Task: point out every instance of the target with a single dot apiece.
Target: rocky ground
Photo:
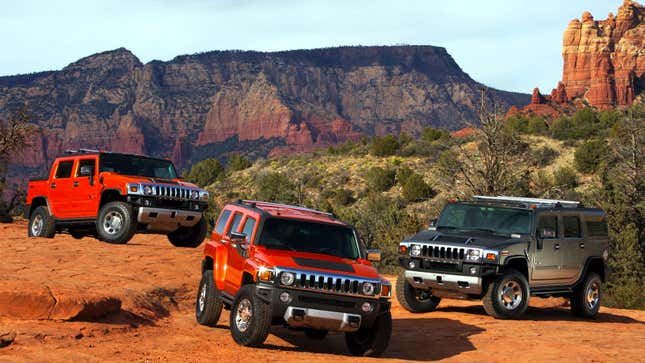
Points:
(54, 295)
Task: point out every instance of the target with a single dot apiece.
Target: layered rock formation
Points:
(209, 104)
(604, 63)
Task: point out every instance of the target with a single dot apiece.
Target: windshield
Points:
(137, 165)
(473, 217)
(301, 236)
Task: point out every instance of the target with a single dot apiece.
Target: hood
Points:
(316, 262)
(470, 239)
(149, 180)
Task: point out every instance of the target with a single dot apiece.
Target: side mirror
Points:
(238, 237)
(88, 171)
(374, 255)
(433, 222)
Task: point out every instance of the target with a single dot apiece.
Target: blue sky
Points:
(511, 45)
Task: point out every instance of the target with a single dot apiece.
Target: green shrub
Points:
(415, 188)
(544, 156)
(430, 134)
(537, 125)
(237, 162)
(205, 172)
(343, 197)
(379, 179)
(275, 187)
(402, 174)
(385, 146)
(517, 123)
(590, 155)
(565, 178)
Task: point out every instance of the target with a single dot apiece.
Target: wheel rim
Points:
(511, 295)
(201, 302)
(113, 222)
(37, 225)
(243, 315)
(593, 295)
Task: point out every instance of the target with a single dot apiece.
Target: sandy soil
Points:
(62, 284)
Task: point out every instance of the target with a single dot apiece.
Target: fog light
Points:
(473, 270)
(285, 297)
(412, 264)
(367, 307)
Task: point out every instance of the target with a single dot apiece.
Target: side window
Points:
(249, 225)
(64, 169)
(571, 226)
(237, 218)
(596, 228)
(548, 227)
(221, 223)
(85, 163)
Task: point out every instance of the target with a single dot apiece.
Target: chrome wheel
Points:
(37, 225)
(511, 295)
(593, 294)
(113, 222)
(243, 315)
(201, 302)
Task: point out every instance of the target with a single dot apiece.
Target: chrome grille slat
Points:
(329, 283)
(170, 192)
(443, 252)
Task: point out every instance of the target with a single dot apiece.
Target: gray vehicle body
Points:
(553, 266)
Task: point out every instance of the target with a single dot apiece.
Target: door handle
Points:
(582, 245)
(75, 183)
(556, 246)
(53, 185)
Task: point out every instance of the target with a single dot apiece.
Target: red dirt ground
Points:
(150, 286)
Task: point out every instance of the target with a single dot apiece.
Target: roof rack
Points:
(257, 203)
(528, 202)
(82, 151)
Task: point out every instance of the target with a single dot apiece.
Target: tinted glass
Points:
(301, 236)
(64, 169)
(571, 226)
(221, 223)
(237, 218)
(550, 224)
(248, 228)
(86, 162)
(473, 217)
(597, 228)
(137, 165)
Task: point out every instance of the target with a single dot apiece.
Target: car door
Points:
(62, 190)
(235, 261)
(572, 246)
(547, 260)
(86, 189)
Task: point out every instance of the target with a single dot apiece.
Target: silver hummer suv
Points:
(503, 250)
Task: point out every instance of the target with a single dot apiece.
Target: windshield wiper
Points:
(487, 230)
(447, 227)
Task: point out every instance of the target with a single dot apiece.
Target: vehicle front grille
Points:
(336, 284)
(169, 192)
(443, 252)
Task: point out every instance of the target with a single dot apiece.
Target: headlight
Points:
(473, 255)
(194, 194)
(287, 278)
(147, 190)
(415, 250)
(204, 195)
(265, 274)
(368, 288)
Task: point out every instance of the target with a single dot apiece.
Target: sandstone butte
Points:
(604, 64)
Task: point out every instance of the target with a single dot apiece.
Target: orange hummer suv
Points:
(113, 196)
(280, 264)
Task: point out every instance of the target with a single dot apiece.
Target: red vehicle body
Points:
(280, 264)
(112, 196)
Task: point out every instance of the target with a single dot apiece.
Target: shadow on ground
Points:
(440, 338)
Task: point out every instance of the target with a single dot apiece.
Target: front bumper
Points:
(318, 310)
(438, 281)
(161, 219)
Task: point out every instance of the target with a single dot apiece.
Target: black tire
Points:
(371, 341)
(316, 334)
(501, 298)
(257, 327)
(115, 223)
(208, 305)
(41, 223)
(586, 297)
(414, 300)
(189, 236)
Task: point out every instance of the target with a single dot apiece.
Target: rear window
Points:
(249, 225)
(571, 226)
(64, 169)
(221, 223)
(237, 218)
(596, 228)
